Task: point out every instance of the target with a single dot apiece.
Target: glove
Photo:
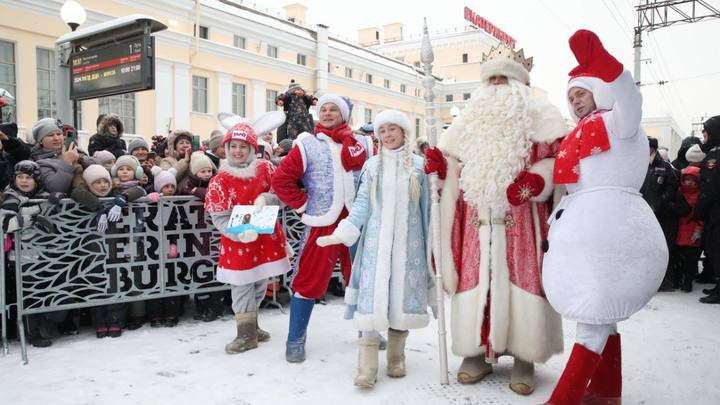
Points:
(115, 213)
(435, 162)
(54, 198)
(593, 59)
(696, 236)
(102, 222)
(44, 224)
(248, 236)
(259, 203)
(153, 197)
(525, 186)
(328, 240)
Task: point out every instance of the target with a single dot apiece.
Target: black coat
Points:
(660, 190)
(114, 145)
(680, 161)
(13, 151)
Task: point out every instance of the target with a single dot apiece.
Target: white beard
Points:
(494, 142)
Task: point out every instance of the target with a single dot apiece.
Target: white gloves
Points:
(102, 223)
(328, 240)
(259, 203)
(248, 236)
(115, 213)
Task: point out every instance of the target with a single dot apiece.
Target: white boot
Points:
(367, 362)
(396, 353)
(522, 378)
(473, 369)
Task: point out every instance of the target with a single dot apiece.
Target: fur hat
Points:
(177, 135)
(338, 101)
(392, 117)
(28, 167)
(694, 154)
(111, 119)
(43, 127)
(216, 140)
(96, 172)
(163, 178)
(103, 157)
(504, 67)
(137, 143)
(199, 161)
(130, 161)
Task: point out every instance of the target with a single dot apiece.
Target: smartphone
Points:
(195, 143)
(261, 151)
(70, 138)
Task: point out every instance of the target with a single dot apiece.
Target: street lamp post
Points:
(74, 15)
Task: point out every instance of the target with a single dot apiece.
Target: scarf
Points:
(352, 153)
(589, 137)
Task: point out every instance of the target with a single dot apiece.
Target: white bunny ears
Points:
(265, 123)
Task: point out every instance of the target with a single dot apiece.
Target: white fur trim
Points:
(338, 101)
(240, 172)
(463, 323)
(544, 168)
(604, 99)
(263, 271)
(366, 322)
(548, 122)
(534, 329)
(694, 154)
(347, 232)
(499, 287)
(351, 296)
(505, 67)
(393, 117)
(298, 144)
(448, 201)
(302, 208)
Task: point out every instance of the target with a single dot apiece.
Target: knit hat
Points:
(338, 101)
(392, 117)
(96, 172)
(199, 161)
(242, 132)
(294, 86)
(163, 178)
(137, 143)
(695, 154)
(43, 127)
(28, 167)
(103, 157)
(286, 144)
(653, 143)
(216, 140)
(130, 161)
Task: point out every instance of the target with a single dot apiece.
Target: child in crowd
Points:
(246, 259)
(391, 285)
(201, 171)
(146, 182)
(105, 159)
(164, 311)
(688, 243)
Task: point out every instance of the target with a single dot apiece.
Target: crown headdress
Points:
(503, 51)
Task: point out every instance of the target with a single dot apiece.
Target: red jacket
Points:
(686, 225)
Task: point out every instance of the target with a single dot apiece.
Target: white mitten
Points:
(259, 203)
(248, 236)
(328, 240)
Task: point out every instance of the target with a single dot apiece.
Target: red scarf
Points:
(352, 153)
(589, 137)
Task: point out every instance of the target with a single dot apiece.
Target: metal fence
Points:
(76, 266)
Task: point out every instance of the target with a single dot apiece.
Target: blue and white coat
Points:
(391, 285)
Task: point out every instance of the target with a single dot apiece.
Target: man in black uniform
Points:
(660, 191)
(708, 204)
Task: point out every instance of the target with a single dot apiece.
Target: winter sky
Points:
(685, 55)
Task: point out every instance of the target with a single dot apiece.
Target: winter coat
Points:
(55, 173)
(707, 209)
(298, 119)
(687, 225)
(660, 190)
(390, 284)
(182, 167)
(13, 151)
(108, 142)
(681, 161)
(131, 191)
(17, 212)
(193, 182)
(215, 159)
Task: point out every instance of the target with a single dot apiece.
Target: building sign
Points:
(489, 27)
(117, 68)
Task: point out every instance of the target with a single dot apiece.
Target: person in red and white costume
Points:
(328, 164)
(495, 202)
(606, 252)
(246, 259)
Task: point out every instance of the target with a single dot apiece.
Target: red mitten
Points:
(593, 59)
(435, 162)
(525, 186)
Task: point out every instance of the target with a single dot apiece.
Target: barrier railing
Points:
(76, 266)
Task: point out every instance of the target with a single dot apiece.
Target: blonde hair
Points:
(414, 183)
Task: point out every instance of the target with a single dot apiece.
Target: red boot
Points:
(606, 384)
(574, 379)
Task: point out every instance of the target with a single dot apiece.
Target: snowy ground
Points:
(671, 353)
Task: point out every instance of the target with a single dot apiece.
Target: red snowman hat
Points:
(242, 132)
(596, 69)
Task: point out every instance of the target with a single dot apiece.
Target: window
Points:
(7, 80)
(204, 32)
(271, 99)
(301, 59)
(239, 42)
(238, 99)
(403, 88)
(417, 127)
(348, 72)
(368, 115)
(124, 106)
(200, 94)
(272, 51)
(466, 96)
(45, 83)
(465, 58)
(449, 97)
(386, 83)
(368, 78)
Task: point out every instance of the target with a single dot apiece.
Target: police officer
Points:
(708, 204)
(660, 190)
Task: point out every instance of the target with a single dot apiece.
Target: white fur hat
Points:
(199, 161)
(505, 67)
(392, 117)
(338, 101)
(599, 89)
(695, 154)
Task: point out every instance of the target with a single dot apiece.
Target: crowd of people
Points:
(515, 186)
